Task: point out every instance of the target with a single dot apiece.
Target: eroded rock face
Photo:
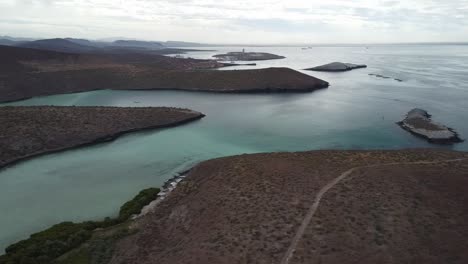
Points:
(337, 67)
(418, 122)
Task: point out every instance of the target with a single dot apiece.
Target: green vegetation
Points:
(46, 246)
(98, 249)
(136, 204)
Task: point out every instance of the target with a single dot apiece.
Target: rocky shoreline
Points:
(27, 132)
(168, 186)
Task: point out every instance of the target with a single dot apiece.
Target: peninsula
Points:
(30, 131)
(26, 73)
(311, 207)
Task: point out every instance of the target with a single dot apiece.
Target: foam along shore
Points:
(165, 190)
(337, 67)
(247, 56)
(419, 123)
(31, 131)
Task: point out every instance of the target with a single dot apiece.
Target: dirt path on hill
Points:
(300, 232)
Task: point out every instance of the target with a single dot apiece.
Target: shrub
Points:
(45, 246)
(135, 205)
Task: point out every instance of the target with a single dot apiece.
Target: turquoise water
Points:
(356, 112)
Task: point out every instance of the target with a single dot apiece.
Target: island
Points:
(337, 67)
(326, 206)
(26, 73)
(419, 123)
(30, 131)
(247, 56)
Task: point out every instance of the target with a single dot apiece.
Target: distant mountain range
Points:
(75, 45)
(62, 45)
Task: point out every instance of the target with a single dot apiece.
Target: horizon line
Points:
(108, 39)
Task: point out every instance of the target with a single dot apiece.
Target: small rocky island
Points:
(337, 67)
(30, 131)
(418, 122)
(247, 56)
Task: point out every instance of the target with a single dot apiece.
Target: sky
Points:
(240, 21)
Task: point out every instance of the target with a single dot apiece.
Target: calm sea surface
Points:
(357, 111)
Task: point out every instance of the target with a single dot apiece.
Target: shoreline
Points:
(165, 190)
(201, 90)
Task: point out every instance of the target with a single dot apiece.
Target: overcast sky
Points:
(240, 21)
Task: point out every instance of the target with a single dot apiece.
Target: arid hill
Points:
(31, 131)
(408, 206)
(27, 73)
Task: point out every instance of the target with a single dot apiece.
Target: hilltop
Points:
(407, 206)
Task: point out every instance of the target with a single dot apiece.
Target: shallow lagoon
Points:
(356, 112)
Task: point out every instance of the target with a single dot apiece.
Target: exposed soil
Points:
(26, 73)
(31, 131)
(249, 208)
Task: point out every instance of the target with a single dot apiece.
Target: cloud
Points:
(252, 21)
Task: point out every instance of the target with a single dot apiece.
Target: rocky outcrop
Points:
(247, 56)
(419, 123)
(337, 67)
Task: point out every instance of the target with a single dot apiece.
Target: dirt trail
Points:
(300, 232)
